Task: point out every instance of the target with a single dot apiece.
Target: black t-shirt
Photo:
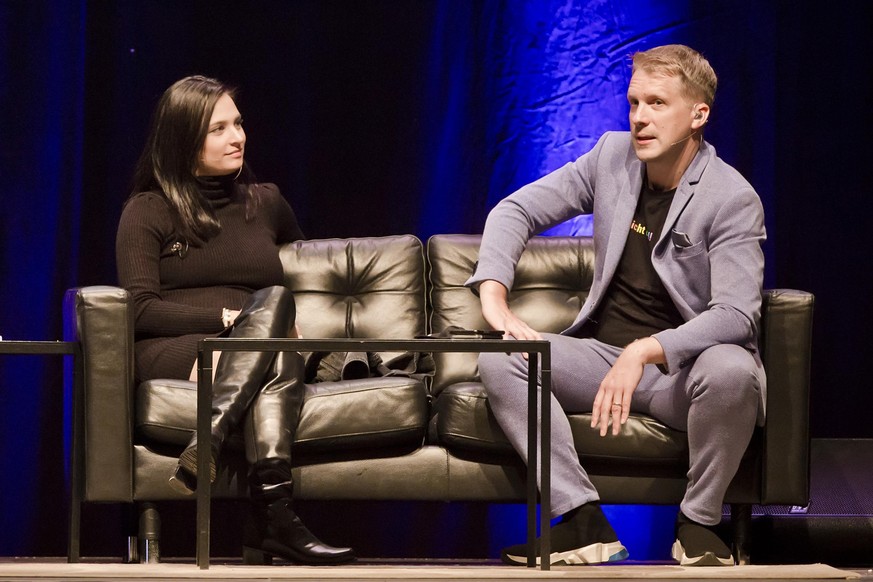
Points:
(636, 304)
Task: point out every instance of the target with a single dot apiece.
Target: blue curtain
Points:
(518, 89)
(41, 91)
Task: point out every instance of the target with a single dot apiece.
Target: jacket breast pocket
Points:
(689, 269)
(683, 246)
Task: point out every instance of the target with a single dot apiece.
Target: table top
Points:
(37, 347)
(373, 344)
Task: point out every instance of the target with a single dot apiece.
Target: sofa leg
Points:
(741, 521)
(149, 534)
(131, 552)
(129, 525)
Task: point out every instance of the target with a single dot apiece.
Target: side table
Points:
(62, 348)
(541, 348)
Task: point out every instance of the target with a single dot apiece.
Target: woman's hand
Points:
(228, 316)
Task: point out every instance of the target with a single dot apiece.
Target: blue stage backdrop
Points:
(41, 95)
(374, 117)
(518, 89)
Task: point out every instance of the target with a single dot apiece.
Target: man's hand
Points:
(616, 391)
(495, 310)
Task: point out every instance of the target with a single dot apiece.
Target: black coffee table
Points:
(542, 348)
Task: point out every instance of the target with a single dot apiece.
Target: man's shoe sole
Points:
(707, 559)
(594, 554)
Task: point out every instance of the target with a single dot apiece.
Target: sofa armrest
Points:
(786, 339)
(101, 319)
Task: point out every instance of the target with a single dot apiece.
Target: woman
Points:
(197, 248)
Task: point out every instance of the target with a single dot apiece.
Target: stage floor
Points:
(42, 569)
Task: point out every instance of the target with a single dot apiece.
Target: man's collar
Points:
(694, 172)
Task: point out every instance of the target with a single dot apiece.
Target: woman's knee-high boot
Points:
(273, 528)
(240, 375)
(273, 416)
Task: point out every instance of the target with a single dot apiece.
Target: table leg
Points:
(76, 461)
(546, 462)
(532, 452)
(204, 486)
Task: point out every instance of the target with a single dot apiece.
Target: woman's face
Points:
(225, 142)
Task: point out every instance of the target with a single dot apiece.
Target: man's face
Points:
(661, 118)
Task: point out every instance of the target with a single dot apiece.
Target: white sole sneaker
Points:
(594, 554)
(707, 559)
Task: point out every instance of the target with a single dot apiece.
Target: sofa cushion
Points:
(375, 412)
(552, 280)
(357, 287)
(465, 425)
(464, 422)
(336, 416)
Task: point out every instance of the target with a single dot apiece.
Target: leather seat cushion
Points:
(336, 416)
(465, 424)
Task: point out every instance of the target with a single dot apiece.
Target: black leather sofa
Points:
(385, 438)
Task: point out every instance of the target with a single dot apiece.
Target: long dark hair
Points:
(168, 163)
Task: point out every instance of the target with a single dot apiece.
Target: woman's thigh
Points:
(170, 357)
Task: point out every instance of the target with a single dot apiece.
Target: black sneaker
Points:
(698, 545)
(583, 536)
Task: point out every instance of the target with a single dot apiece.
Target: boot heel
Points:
(188, 461)
(183, 482)
(255, 557)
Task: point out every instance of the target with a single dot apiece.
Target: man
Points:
(670, 326)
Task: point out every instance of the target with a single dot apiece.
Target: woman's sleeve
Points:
(287, 227)
(143, 231)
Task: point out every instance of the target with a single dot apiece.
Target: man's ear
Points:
(700, 115)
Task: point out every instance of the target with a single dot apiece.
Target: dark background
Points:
(380, 117)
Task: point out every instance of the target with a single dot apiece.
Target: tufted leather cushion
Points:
(361, 287)
(551, 283)
(466, 426)
(336, 416)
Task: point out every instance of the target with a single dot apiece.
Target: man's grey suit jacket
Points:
(708, 256)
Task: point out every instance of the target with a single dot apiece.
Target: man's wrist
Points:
(646, 350)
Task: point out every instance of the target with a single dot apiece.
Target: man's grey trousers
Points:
(715, 399)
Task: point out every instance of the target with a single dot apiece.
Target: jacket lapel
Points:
(625, 205)
(685, 191)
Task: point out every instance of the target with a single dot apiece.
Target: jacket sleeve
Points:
(554, 198)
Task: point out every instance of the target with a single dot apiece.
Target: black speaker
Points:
(836, 528)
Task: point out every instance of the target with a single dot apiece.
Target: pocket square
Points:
(680, 239)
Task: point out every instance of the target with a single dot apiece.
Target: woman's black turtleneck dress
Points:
(179, 289)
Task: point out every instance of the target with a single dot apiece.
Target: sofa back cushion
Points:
(357, 287)
(552, 280)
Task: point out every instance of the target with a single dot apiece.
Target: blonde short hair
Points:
(689, 66)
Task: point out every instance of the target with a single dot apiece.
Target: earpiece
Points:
(698, 115)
